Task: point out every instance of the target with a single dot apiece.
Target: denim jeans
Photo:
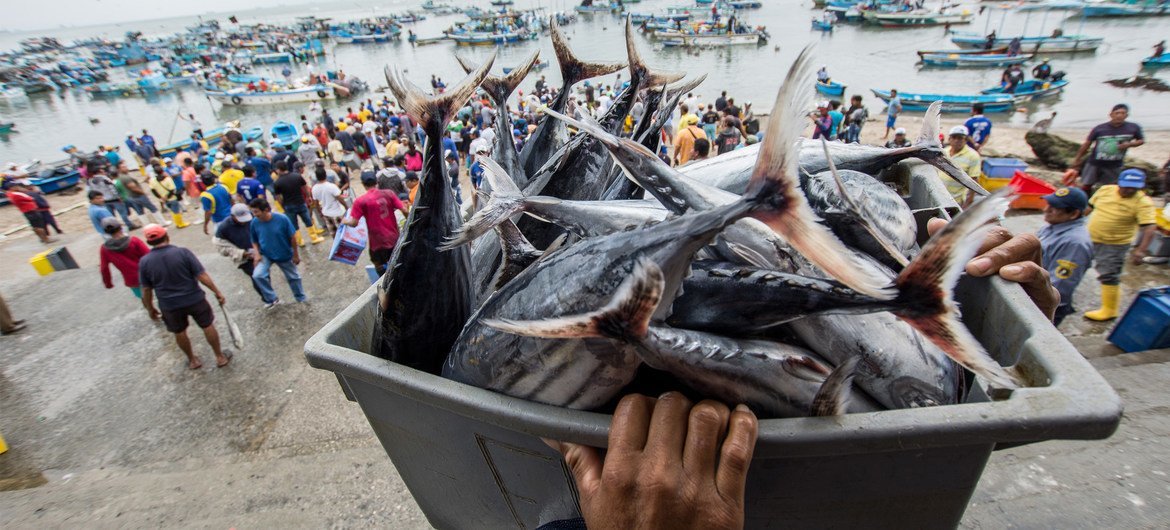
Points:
(141, 204)
(264, 279)
(119, 207)
(297, 212)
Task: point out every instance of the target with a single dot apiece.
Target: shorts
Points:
(36, 219)
(1109, 260)
(380, 258)
(1097, 176)
(890, 121)
(176, 319)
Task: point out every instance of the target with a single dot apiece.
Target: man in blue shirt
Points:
(978, 126)
(249, 188)
(273, 243)
(98, 211)
(1068, 249)
(261, 165)
(216, 201)
(893, 109)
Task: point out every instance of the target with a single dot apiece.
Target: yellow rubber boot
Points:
(178, 219)
(1110, 298)
(300, 240)
(315, 236)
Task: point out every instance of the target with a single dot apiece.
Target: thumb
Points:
(584, 462)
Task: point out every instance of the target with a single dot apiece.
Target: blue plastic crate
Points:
(1003, 168)
(1146, 324)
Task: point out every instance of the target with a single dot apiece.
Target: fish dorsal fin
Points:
(931, 125)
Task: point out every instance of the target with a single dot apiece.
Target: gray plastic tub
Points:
(472, 458)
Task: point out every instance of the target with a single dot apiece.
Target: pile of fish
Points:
(784, 275)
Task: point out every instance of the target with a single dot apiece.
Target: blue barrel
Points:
(1146, 324)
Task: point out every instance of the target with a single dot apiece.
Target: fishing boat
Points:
(822, 25)
(1154, 62)
(830, 89)
(478, 38)
(242, 97)
(502, 3)
(106, 90)
(1031, 89)
(1114, 9)
(594, 9)
(915, 18)
(10, 92)
(1049, 44)
(212, 137)
(57, 177)
(745, 4)
(950, 102)
(538, 65)
(154, 83)
(6, 128)
(992, 51)
(284, 133)
(977, 60)
(345, 37)
(272, 58)
(672, 38)
(429, 40)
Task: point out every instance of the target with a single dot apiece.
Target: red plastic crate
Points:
(1030, 192)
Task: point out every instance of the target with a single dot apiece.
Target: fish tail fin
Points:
(832, 398)
(626, 317)
(779, 203)
(925, 285)
(638, 68)
(574, 70)
(518, 253)
(928, 148)
(420, 106)
(499, 88)
(505, 201)
(931, 125)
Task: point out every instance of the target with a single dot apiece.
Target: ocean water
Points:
(862, 57)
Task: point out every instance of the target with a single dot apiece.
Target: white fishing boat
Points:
(915, 18)
(1049, 44)
(673, 38)
(10, 92)
(243, 97)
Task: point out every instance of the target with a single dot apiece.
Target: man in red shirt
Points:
(377, 207)
(19, 195)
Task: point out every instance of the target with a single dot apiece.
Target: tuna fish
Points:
(498, 90)
(425, 296)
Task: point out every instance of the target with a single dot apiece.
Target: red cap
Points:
(154, 232)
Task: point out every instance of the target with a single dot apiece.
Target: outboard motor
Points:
(1057, 76)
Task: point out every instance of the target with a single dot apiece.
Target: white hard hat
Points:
(960, 129)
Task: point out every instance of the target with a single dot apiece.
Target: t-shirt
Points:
(378, 207)
(274, 237)
(1115, 219)
(218, 201)
(96, 214)
(1068, 252)
(239, 234)
(835, 119)
(726, 141)
(249, 189)
(979, 128)
(969, 162)
(171, 272)
(229, 178)
(894, 106)
(1105, 151)
(413, 161)
(263, 169)
(684, 143)
(327, 193)
(23, 201)
(288, 188)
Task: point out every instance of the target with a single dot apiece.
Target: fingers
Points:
(934, 225)
(736, 455)
(668, 427)
(585, 463)
(631, 423)
(707, 426)
(1035, 281)
(1000, 249)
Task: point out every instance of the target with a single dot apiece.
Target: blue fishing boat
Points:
(1154, 62)
(1031, 89)
(6, 128)
(831, 88)
(271, 58)
(1128, 9)
(950, 102)
(745, 4)
(57, 178)
(212, 137)
(822, 25)
(285, 134)
(1043, 44)
(479, 38)
(975, 60)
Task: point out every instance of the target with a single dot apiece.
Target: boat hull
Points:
(950, 103)
(957, 60)
(830, 89)
(1067, 44)
(899, 20)
(317, 93)
(1031, 89)
(728, 39)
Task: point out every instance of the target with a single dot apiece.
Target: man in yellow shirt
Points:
(684, 141)
(966, 159)
(1118, 211)
(231, 175)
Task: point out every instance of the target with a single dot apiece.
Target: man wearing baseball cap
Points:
(1068, 250)
(1118, 212)
(964, 158)
(174, 273)
(233, 239)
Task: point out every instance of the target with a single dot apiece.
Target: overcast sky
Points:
(48, 14)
